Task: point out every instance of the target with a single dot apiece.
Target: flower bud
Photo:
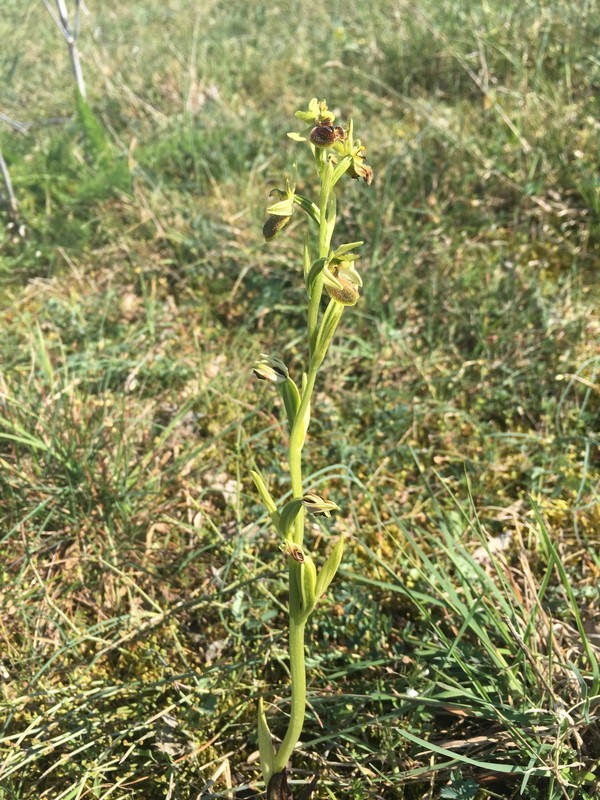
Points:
(273, 226)
(318, 505)
(268, 368)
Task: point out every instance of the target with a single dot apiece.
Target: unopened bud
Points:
(268, 368)
(318, 505)
(273, 226)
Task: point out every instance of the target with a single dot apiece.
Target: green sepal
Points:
(297, 137)
(343, 249)
(310, 115)
(265, 744)
(329, 568)
(283, 208)
(288, 515)
(265, 496)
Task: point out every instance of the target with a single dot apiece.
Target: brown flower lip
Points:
(273, 226)
(326, 135)
(347, 294)
(322, 135)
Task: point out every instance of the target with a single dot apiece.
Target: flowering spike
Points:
(327, 269)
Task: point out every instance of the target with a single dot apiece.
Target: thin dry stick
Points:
(70, 36)
(13, 123)
(12, 200)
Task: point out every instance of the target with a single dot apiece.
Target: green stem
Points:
(297, 438)
(298, 673)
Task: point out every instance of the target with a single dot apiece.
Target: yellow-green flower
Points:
(317, 114)
(342, 282)
(340, 278)
(318, 505)
(353, 148)
(281, 212)
(269, 368)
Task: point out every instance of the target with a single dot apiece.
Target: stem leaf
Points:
(306, 259)
(287, 518)
(265, 496)
(331, 317)
(340, 169)
(308, 584)
(315, 270)
(291, 399)
(307, 205)
(265, 744)
(329, 568)
(331, 216)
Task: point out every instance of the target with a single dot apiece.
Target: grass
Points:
(141, 589)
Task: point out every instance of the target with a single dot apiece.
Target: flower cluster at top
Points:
(333, 147)
(328, 141)
(321, 132)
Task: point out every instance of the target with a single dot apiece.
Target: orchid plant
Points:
(330, 273)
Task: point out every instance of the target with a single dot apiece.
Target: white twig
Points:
(13, 123)
(70, 35)
(12, 200)
(76, 23)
